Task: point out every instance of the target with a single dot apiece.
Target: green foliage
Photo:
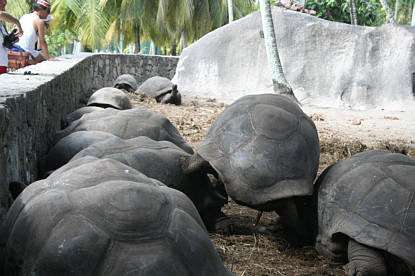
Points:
(57, 40)
(98, 22)
(16, 8)
(369, 12)
(272, 2)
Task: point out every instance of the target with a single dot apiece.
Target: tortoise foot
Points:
(224, 225)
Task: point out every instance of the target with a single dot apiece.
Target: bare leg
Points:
(364, 261)
(38, 59)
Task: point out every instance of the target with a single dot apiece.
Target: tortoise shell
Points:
(155, 87)
(75, 115)
(126, 82)
(161, 160)
(109, 97)
(128, 124)
(68, 146)
(370, 198)
(264, 148)
(101, 217)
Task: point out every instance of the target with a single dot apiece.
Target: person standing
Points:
(34, 31)
(4, 16)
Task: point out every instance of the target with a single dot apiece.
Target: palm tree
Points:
(281, 86)
(388, 11)
(230, 10)
(353, 12)
(17, 8)
(85, 17)
(413, 17)
(397, 4)
(130, 21)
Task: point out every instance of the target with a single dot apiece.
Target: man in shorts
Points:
(34, 31)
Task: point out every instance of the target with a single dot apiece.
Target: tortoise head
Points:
(207, 193)
(174, 90)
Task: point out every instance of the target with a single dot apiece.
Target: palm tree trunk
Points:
(353, 12)
(137, 40)
(183, 42)
(173, 47)
(281, 86)
(413, 16)
(407, 9)
(121, 46)
(77, 46)
(153, 49)
(230, 10)
(396, 10)
(388, 11)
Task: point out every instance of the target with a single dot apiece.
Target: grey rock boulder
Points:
(327, 63)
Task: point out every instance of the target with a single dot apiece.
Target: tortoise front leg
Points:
(293, 225)
(364, 261)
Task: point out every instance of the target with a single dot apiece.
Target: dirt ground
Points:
(341, 134)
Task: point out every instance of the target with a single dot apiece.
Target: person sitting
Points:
(34, 31)
(4, 16)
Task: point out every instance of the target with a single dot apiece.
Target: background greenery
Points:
(131, 25)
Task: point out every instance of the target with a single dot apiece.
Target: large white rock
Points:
(327, 63)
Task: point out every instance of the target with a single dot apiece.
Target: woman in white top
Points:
(34, 30)
(4, 16)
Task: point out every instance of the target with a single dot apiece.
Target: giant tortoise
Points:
(67, 147)
(109, 97)
(366, 213)
(75, 115)
(126, 82)
(128, 124)
(161, 160)
(101, 217)
(265, 151)
(161, 89)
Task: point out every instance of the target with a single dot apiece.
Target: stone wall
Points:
(32, 106)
